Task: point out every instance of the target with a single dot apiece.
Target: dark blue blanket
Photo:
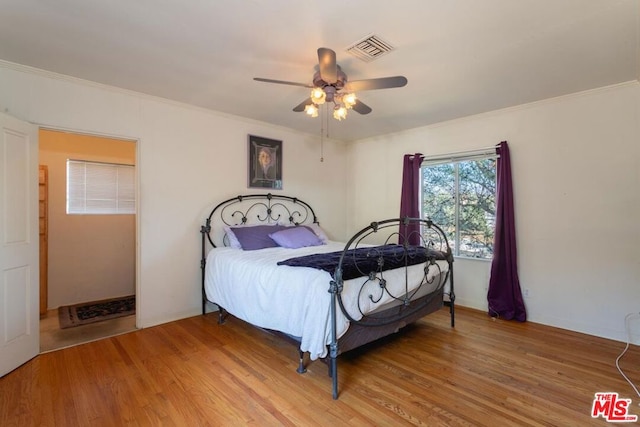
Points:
(362, 261)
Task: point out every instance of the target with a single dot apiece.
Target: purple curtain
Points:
(410, 197)
(504, 295)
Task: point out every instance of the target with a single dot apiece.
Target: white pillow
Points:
(233, 240)
(315, 227)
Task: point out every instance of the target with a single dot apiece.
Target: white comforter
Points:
(294, 300)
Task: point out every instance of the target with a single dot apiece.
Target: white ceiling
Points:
(461, 57)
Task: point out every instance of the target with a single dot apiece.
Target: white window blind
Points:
(100, 188)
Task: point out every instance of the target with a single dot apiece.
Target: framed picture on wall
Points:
(265, 163)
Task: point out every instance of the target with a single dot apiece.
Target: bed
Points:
(266, 260)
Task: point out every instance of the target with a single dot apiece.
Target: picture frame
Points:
(264, 162)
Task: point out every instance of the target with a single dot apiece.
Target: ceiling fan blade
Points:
(282, 82)
(300, 107)
(328, 66)
(380, 83)
(361, 107)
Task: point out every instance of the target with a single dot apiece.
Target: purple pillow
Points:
(256, 237)
(295, 237)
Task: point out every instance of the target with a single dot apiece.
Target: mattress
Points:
(296, 300)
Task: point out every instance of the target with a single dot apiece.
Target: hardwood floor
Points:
(52, 337)
(195, 372)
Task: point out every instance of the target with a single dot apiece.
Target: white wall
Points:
(188, 159)
(576, 177)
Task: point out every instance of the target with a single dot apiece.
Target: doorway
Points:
(86, 257)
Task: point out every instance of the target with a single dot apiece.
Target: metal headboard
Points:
(256, 209)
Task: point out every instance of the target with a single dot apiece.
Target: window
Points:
(459, 195)
(100, 188)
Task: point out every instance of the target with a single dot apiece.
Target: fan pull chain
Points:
(326, 117)
(322, 119)
(321, 139)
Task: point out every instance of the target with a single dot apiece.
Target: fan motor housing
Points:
(338, 84)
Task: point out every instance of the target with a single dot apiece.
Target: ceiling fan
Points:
(330, 84)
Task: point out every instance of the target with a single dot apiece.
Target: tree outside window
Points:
(460, 197)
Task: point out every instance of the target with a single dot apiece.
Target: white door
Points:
(19, 313)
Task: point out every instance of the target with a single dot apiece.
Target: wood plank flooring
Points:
(52, 337)
(194, 372)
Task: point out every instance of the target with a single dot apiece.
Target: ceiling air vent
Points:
(370, 48)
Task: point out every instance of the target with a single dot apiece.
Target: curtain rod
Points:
(455, 154)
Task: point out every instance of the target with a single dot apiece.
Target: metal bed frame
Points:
(408, 306)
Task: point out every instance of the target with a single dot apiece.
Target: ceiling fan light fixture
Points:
(349, 100)
(311, 110)
(339, 112)
(318, 96)
(329, 80)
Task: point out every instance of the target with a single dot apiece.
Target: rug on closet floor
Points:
(96, 311)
